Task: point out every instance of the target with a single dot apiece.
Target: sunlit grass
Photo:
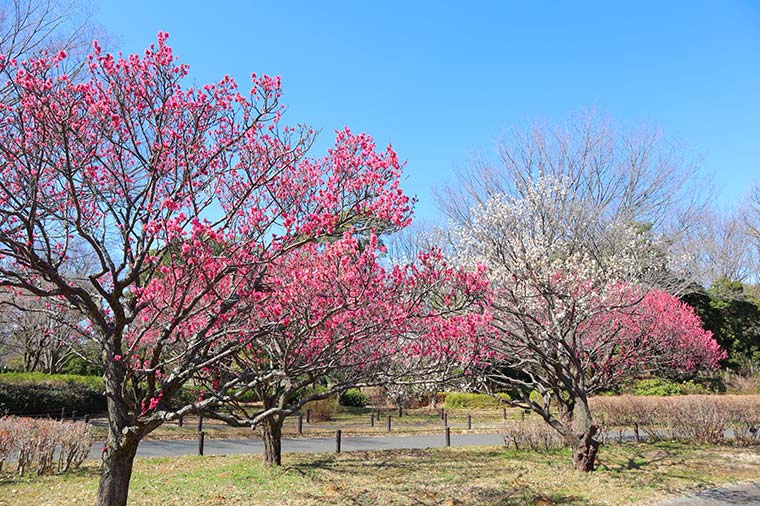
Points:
(628, 474)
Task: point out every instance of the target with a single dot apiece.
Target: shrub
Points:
(532, 434)
(741, 384)
(656, 386)
(185, 395)
(663, 387)
(323, 409)
(375, 396)
(354, 398)
(38, 393)
(461, 400)
(695, 418)
(535, 396)
(82, 367)
(34, 444)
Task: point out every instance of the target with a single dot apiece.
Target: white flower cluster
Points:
(549, 230)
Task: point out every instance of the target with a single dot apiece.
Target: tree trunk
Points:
(116, 471)
(586, 447)
(271, 435)
(584, 453)
(121, 447)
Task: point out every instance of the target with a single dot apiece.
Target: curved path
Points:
(175, 448)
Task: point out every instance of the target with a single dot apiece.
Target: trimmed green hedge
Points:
(39, 393)
(461, 400)
(36, 393)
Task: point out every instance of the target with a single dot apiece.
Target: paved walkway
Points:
(176, 448)
(732, 495)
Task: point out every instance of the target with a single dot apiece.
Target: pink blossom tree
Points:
(345, 321)
(193, 202)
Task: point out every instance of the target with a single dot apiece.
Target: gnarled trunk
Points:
(577, 428)
(585, 450)
(585, 447)
(271, 435)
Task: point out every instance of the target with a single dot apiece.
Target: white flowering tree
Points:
(571, 311)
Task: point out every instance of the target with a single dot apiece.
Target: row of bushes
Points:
(42, 445)
(696, 418)
(699, 419)
(462, 400)
(75, 365)
(38, 393)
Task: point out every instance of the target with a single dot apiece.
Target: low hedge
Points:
(39, 394)
(36, 393)
(462, 400)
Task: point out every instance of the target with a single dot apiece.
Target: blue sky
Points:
(442, 81)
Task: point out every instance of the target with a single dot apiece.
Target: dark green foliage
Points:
(185, 395)
(354, 398)
(82, 367)
(38, 393)
(733, 316)
(249, 396)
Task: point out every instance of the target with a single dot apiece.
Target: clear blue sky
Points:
(441, 82)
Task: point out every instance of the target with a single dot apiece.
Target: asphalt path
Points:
(176, 448)
(732, 495)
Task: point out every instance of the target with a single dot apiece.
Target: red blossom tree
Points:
(344, 321)
(199, 207)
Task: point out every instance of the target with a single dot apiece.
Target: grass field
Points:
(628, 474)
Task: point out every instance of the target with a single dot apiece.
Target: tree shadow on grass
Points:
(639, 461)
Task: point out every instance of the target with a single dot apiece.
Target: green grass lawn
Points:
(628, 474)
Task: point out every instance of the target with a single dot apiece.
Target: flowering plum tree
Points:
(194, 203)
(571, 309)
(344, 321)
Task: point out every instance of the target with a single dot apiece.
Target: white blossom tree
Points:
(571, 309)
